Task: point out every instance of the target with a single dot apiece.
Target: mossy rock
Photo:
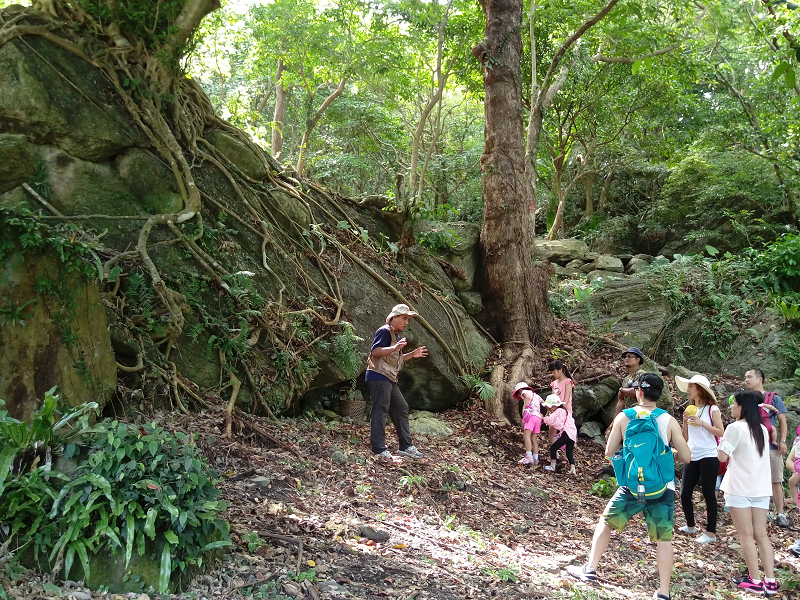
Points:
(239, 153)
(290, 213)
(16, 162)
(55, 97)
(150, 181)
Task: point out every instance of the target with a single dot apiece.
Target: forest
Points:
(207, 208)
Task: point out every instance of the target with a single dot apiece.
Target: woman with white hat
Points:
(702, 425)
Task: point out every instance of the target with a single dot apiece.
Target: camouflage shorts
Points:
(659, 514)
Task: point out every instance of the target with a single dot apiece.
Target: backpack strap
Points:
(657, 413)
(630, 413)
(768, 396)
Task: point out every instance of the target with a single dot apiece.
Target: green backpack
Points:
(644, 458)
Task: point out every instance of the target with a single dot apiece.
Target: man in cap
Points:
(659, 512)
(383, 366)
(632, 359)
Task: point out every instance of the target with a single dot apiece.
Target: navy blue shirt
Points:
(382, 339)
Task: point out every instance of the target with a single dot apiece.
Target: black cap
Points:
(649, 381)
(635, 351)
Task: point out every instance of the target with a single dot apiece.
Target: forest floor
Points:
(466, 522)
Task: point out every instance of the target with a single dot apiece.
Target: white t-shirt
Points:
(748, 473)
(702, 442)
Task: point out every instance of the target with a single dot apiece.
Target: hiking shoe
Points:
(384, 456)
(528, 460)
(782, 521)
(687, 529)
(706, 539)
(549, 468)
(411, 452)
(771, 587)
(769, 517)
(795, 548)
(572, 470)
(746, 583)
(659, 596)
(582, 572)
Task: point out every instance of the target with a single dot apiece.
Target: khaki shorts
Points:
(776, 465)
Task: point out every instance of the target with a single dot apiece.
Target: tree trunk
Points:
(588, 188)
(280, 112)
(601, 203)
(517, 298)
(301, 160)
(557, 228)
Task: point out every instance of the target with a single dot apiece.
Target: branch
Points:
(187, 22)
(628, 60)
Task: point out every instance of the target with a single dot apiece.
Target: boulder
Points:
(636, 265)
(576, 264)
(149, 180)
(587, 267)
(240, 154)
(645, 257)
(465, 254)
(591, 429)
(624, 308)
(471, 301)
(588, 400)
(606, 262)
(62, 100)
(625, 258)
(560, 251)
(604, 275)
(58, 337)
(16, 162)
(429, 426)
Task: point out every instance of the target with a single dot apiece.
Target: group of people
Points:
(744, 460)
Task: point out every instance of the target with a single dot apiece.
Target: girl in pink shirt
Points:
(562, 387)
(531, 422)
(560, 421)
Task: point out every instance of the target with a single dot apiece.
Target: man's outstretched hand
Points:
(420, 352)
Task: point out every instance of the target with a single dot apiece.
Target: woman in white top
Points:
(701, 431)
(748, 488)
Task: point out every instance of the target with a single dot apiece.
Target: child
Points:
(773, 432)
(793, 464)
(562, 387)
(531, 422)
(560, 421)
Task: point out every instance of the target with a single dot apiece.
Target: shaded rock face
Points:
(561, 251)
(64, 341)
(88, 158)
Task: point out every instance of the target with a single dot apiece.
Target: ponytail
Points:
(556, 365)
(748, 402)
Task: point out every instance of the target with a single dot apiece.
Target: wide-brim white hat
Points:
(401, 309)
(552, 400)
(701, 380)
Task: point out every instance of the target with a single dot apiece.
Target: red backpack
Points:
(765, 413)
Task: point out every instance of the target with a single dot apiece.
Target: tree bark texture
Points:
(517, 290)
(312, 123)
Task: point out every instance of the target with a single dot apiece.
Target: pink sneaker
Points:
(528, 460)
(746, 583)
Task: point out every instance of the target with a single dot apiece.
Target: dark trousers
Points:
(704, 470)
(561, 441)
(386, 399)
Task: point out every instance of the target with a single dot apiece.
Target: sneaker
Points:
(687, 529)
(582, 572)
(782, 521)
(795, 548)
(411, 452)
(572, 470)
(746, 583)
(549, 468)
(771, 587)
(385, 456)
(769, 517)
(527, 460)
(706, 539)
(659, 596)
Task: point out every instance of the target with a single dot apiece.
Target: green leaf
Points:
(779, 70)
(344, 225)
(171, 537)
(52, 589)
(129, 539)
(215, 545)
(150, 523)
(166, 569)
(711, 250)
(636, 66)
(790, 78)
(80, 548)
(6, 460)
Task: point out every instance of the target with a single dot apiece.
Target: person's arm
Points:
(728, 443)
(790, 460)
(769, 407)
(614, 442)
(675, 435)
(782, 437)
(380, 352)
(568, 393)
(685, 428)
(420, 352)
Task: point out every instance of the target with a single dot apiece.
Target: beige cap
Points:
(401, 309)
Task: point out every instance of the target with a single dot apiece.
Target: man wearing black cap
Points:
(633, 359)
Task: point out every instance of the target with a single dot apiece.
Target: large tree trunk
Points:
(516, 297)
(280, 112)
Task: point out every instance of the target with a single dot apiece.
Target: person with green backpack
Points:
(641, 445)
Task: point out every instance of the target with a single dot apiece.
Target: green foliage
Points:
(269, 591)
(604, 488)
(132, 483)
(483, 388)
(413, 481)
(778, 265)
(253, 541)
(344, 351)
